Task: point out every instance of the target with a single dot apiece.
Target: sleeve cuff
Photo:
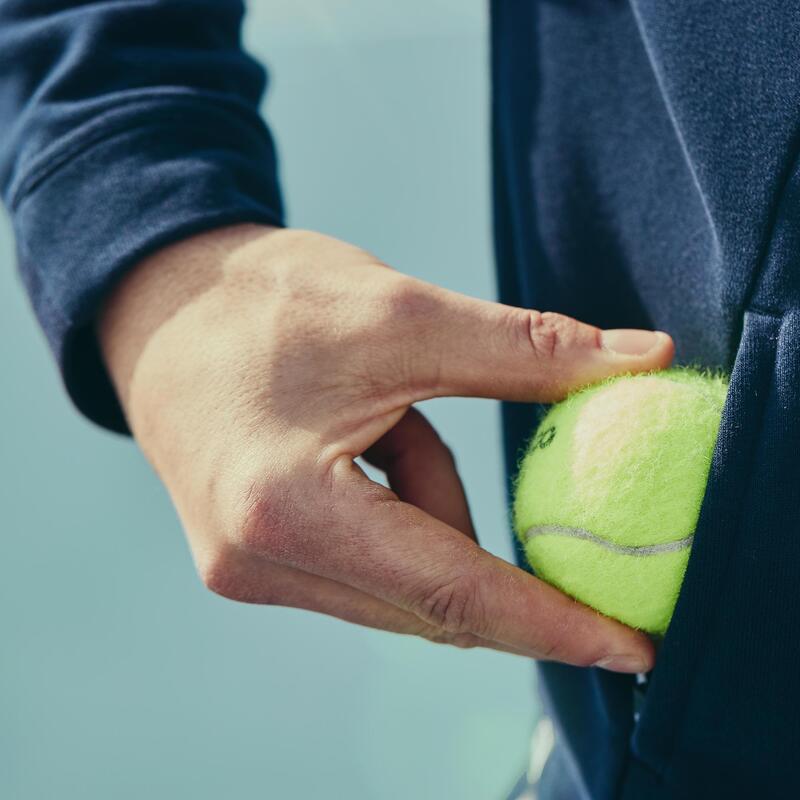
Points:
(158, 175)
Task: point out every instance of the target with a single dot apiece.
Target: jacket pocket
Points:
(705, 701)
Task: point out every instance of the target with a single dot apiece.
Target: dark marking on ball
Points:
(544, 438)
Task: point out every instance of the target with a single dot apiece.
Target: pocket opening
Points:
(717, 537)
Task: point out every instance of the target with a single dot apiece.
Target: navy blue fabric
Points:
(124, 125)
(645, 167)
(645, 175)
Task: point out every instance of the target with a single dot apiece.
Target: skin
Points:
(254, 364)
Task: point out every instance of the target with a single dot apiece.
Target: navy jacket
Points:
(645, 175)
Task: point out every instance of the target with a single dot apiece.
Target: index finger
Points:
(393, 550)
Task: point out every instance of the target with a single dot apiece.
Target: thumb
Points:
(476, 348)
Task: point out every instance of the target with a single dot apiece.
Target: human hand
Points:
(255, 364)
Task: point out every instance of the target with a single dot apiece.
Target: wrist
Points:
(156, 290)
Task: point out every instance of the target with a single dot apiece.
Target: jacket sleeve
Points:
(124, 125)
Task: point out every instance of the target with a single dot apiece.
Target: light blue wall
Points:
(120, 676)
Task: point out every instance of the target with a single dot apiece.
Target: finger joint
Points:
(455, 607)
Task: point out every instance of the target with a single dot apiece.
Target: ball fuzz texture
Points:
(608, 494)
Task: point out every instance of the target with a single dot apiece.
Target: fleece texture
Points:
(610, 489)
(645, 174)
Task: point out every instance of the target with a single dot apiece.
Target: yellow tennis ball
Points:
(608, 494)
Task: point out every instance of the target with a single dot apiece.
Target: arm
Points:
(253, 364)
(123, 126)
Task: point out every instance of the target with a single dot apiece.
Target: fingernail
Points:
(630, 341)
(622, 663)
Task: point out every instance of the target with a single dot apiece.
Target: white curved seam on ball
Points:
(630, 550)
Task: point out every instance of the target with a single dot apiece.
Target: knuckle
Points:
(408, 300)
(548, 333)
(219, 574)
(223, 574)
(263, 521)
(406, 310)
(455, 607)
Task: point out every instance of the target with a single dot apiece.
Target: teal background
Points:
(120, 675)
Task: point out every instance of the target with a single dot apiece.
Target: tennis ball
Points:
(609, 491)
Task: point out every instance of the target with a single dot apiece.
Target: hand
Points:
(254, 364)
